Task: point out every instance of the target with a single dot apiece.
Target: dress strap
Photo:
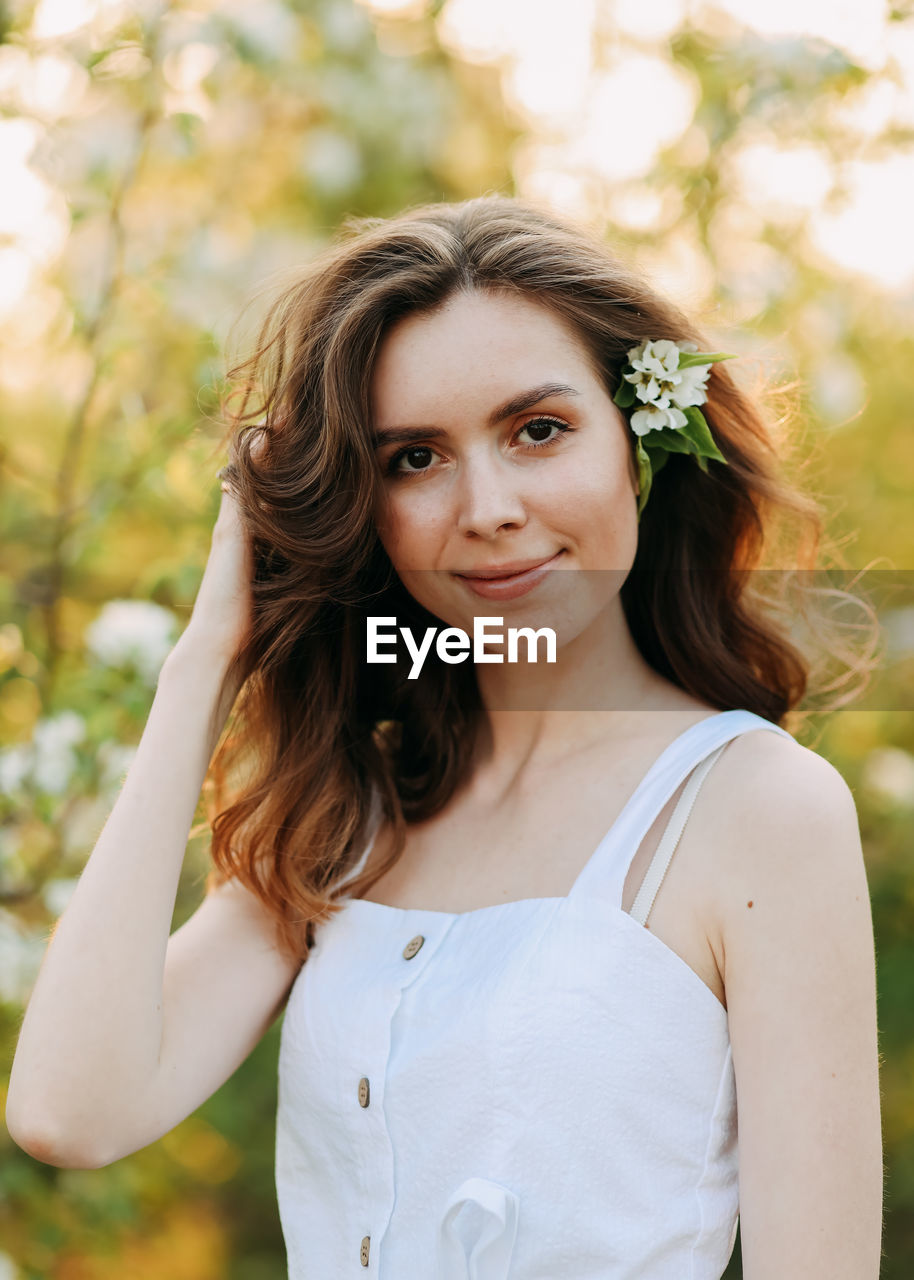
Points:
(606, 870)
(663, 854)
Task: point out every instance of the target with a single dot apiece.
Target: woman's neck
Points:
(599, 688)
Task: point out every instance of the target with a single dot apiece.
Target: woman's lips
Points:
(509, 586)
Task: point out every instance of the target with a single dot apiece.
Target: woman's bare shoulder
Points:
(782, 824)
(775, 780)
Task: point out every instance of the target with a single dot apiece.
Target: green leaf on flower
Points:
(655, 446)
(689, 358)
(658, 458)
(625, 396)
(644, 477)
(700, 433)
(673, 439)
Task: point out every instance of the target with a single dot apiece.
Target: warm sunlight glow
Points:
(32, 213)
(60, 17)
(655, 21)
(54, 18)
(15, 275)
(871, 233)
(485, 32)
(396, 8)
(184, 70)
(640, 105)
(597, 95)
(782, 180)
(600, 96)
(857, 26)
(47, 85)
(532, 84)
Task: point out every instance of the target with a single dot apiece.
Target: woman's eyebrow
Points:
(517, 404)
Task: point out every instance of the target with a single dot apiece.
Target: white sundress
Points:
(533, 1090)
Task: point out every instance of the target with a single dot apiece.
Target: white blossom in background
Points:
(8, 1268)
(54, 742)
(55, 894)
(869, 231)
(47, 85)
(331, 162)
(115, 759)
(184, 70)
(33, 214)
(889, 771)
(15, 768)
(783, 179)
(132, 631)
(656, 21)
(857, 26)
(268, 26)
(345, 27)
(54, 18)
(664, 111)
(21, 953)
(48, 761)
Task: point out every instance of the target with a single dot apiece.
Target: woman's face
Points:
(500, 448)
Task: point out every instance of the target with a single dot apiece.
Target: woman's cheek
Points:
(410, 531)
(597, 508)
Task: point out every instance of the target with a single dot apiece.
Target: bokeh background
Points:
(162, 164)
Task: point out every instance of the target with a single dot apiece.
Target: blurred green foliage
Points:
(191, 154)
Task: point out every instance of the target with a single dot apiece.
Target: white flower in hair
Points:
(691, 386)
(660, 357)
(654, 416)
(662, 386)
(659, 381)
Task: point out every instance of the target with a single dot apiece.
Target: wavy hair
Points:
(313, 744)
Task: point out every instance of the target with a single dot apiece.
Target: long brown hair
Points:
(313, 743)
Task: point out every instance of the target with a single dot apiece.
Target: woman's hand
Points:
(221, 617)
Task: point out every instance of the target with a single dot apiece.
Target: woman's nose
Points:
(488, 498)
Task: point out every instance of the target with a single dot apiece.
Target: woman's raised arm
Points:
(128, 1030)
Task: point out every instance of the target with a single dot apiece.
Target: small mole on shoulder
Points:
(749, 903)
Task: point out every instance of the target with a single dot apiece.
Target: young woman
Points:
(521, 1038)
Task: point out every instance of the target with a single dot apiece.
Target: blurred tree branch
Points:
(67, 505)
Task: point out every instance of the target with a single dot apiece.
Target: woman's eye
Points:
(418, 456)
(540, 429)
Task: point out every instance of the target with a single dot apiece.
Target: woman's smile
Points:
(505, 584)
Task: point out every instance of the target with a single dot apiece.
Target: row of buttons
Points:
(411, 948)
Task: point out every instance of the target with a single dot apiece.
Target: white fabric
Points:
(551, 1089)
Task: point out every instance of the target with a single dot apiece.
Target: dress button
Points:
(363, 1091)
(363, 1255)
(412, 946)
